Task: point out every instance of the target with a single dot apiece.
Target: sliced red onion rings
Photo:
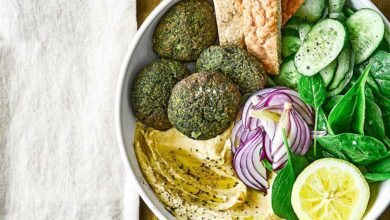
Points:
(247, 163)
(257, 133)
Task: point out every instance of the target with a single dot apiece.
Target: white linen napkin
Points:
(59, 62)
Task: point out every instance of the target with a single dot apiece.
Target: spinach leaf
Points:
(327, 154)
(369, 94)
(310, 154)
(384, 104)
(284, 181)
(374, 124)
(360, 112)
(348, 114)
(358, 149)
(376, 177)
(381, 166)
(323, 123)
(379, 82)
(379, 73)
(313, 92)
(332, 103)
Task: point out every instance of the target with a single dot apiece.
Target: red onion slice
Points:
(267, 148)
(307, 138)
(252, 174)
(278, 149)
(257, 133)
(237, 160)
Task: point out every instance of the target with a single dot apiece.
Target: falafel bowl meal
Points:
(259, 109)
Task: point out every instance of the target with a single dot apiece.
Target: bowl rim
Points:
(118, 103)
(120, 89)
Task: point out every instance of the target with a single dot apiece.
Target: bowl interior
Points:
(140, 53)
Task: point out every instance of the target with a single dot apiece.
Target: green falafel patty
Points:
(203, 105)
(241, 67)
(151, 91)
(185, 30)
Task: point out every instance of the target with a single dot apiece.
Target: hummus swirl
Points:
(195, 179)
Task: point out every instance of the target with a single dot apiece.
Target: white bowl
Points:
(139, 54)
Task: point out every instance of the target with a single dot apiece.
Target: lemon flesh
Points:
(330, 189)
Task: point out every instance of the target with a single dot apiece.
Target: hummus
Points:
(195, 179)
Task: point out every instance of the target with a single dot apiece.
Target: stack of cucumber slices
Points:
(327, 38)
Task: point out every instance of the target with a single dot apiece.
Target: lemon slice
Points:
(330, 189)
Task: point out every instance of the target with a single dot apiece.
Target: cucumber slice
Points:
(323, 44)
(367, 30)
(303, 30)
(343, 61)
(336, 5)
(328, 72)
(311, 10)
(348, 76)
(338, 16)
(290, 45)
(288, 75)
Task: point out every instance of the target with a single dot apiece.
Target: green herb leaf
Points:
(348, 114)
(384, 103)
(312, 90)
(327, 154)
(379, 73)
(310, 154)
(374, 121)
(360, 110)
(322, 123)
(283, 184)
(358, 149)
(381, 166)
(379, 83)
(332, 103)
(376, 177)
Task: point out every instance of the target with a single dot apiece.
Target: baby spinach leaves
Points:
(356, 148)
(379, 82)
(322, 122)
(378, 171)
(374, 124)
(384, 103)
(284, 181)
(313, 92)
(381, 166)
(380, 71)
(332, 103)
(376, 177)
(349, 113)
